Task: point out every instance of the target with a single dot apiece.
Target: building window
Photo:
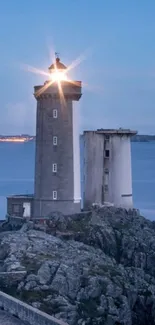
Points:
(107, 153)
(106, 171)
(54, 195)
(106, 188)
(55, 113)
(55, 141)
(15, 208)
(107, 137)
(54, 168)
(106, 179)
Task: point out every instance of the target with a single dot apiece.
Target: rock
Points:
(36, 304)
(20, 286)
(27, 226)
(32, 277)
(44, 273)
(44, 287)
(12, 264)
(30, 285)
(92, 268)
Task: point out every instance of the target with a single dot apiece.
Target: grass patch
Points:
(33, 296)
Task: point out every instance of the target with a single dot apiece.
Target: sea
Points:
(17, 174)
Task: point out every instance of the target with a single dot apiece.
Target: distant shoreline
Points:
(17, 138)
(143, 138)
(27, 138)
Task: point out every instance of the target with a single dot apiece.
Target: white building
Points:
(107, 171)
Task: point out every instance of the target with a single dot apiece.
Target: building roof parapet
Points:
(74, 83)
(119, 131)
(70, 89)
(21, 196)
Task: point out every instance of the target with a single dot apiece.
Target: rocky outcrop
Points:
(88, 269)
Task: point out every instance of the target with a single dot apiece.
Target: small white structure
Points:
(107, 172)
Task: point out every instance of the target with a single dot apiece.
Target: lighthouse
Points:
(57, 157)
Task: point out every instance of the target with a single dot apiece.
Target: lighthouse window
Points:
(55, 141)
(55, 113)
(54, 195)
(107, 153)
(54, 168)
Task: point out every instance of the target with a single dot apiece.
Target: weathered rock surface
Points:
(88, 269)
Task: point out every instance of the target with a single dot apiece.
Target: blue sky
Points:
(118, 39)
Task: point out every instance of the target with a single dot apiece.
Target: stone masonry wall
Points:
(25, 312)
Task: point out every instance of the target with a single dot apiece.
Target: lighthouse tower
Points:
(57, 159)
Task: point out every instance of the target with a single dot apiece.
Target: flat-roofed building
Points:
(107, 170)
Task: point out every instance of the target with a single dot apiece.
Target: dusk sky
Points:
(117, 38)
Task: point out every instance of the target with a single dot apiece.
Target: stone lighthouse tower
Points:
(57, 160)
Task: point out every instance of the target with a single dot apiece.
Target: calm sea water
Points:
(17, 172)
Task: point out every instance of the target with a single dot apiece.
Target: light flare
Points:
(62, 97)
(58, 76)
(76, 62)
(42, 89)
(35, 70)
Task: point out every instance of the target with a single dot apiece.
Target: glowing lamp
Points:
(58, 71)
(58, 76)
